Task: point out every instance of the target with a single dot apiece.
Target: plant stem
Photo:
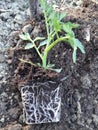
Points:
(46, 22)
(47, 27)
(44, 57)
(57, 35)
(29, 62)
(44, 60)
(55, 42)
(36, 48)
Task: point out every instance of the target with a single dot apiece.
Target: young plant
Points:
(54, 25)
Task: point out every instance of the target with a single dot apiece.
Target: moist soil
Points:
(79, 81)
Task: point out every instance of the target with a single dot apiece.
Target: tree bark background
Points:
(33, 4)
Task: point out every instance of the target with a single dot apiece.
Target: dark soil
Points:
(79, 81)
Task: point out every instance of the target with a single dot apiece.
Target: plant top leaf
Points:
(57, 25)
(68, 29)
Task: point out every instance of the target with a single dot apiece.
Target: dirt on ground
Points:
(79, 81)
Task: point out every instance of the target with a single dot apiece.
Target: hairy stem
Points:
(44, 57)
(47, 27)
(55, 42)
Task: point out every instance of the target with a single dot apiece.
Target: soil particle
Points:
(2, 58)
(27, 28)
(15, 127)
(86, 81)
(2, 119)
(27, 128)
(2, 107)
(96, 107)
(21, 119)
(80, 84)
(95, 119)
(19, 19)
(12, 127)
(13, 113)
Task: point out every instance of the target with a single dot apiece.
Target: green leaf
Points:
(68, 29)
(70, 40)
(39, 64)
(39, 38)
(29, 46)
(54, 22)
(72, 25)
(79, 45)
(43, 4)
(50, 65)
(75, 43)
(43, 43)
(56, 70)
(74, 55)
(57, 25)
(50, 10)
(62, 15)
(74, 46)
(57, 15)
(25, 36)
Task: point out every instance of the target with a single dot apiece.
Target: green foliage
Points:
(54, 25)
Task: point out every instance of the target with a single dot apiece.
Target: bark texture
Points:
(33, 4)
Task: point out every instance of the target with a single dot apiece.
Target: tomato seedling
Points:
(54, 25)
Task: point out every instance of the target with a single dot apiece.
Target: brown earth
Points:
(79, 81)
